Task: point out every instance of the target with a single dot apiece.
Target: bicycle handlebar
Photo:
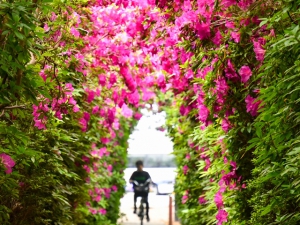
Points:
(142, 184)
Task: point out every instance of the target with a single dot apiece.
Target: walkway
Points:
(159, 210)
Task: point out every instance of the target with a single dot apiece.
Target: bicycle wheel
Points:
(142, 211)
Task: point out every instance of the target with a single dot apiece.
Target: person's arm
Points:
(148, 177)
(132, 177)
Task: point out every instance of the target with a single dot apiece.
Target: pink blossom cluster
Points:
(185, 197)
(94, 210)
(7, 162)
(95, 164)
(252, 105)
(59, 106)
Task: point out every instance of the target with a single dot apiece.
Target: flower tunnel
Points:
(75, 74)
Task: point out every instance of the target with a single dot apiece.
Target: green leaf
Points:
(266, 210)
(47, 54)
(19, 35)
(15, 16)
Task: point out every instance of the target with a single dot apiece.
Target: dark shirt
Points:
(140, 176)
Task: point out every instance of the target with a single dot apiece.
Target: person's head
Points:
(139, 165)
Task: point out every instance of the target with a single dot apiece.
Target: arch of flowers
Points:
(74, 75)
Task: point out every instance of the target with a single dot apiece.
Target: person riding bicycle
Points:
(141, 177)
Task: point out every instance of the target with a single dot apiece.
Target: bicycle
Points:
(142, 189)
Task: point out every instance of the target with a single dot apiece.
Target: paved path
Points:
(159, 210)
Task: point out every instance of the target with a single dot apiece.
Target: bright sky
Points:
(145, 139)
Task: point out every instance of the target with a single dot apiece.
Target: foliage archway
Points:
(75, 73)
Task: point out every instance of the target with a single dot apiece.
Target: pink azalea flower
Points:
(129, 81)
(147, 95)
(244, 4)
(90, 95)
(227, 178)
(86, 159)
(8, 162)
(137, 116)
(114, 188)
(126, 111)
(182, 110)
(72, 101)
(102, 211)
(149, 81)
(39, 124)
(228, 3)
(221, 86)
(109, 168)
(98, 198)
(233, 164)
(189, 74)
(188, 156)
(112, 79)
(95, 109)
(56, 35)
(203, 113)
(83, 124)
(184, 199)
(94, 153)
(202, 200)
(53, 16)
(105, 140)
(76, 108)
(203, 72)
(225, 160)
(245, 73)
(221, 216)
(102, 80)
(191, 144)
(102, 151)
(272, 33)
(46, 27)
(58, 115)
(219, 200)
(107, 192)
(203, 30)
(134, 98)
(74, 32)
(161, 82)
(87, 169)
(93, 211)
(217, 40)
(207, 164)
(86, 116)
(185, 169)
(230, 24)
(162, 129)
(225, 125)
(230, 71)
(111, 115)
(43, 75)
(259, 51)
(252, 105)
(235, 36)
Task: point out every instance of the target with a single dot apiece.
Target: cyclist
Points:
(140, 176)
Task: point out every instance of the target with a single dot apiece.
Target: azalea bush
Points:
(74, 75)
(59, 164)
(234, 152)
